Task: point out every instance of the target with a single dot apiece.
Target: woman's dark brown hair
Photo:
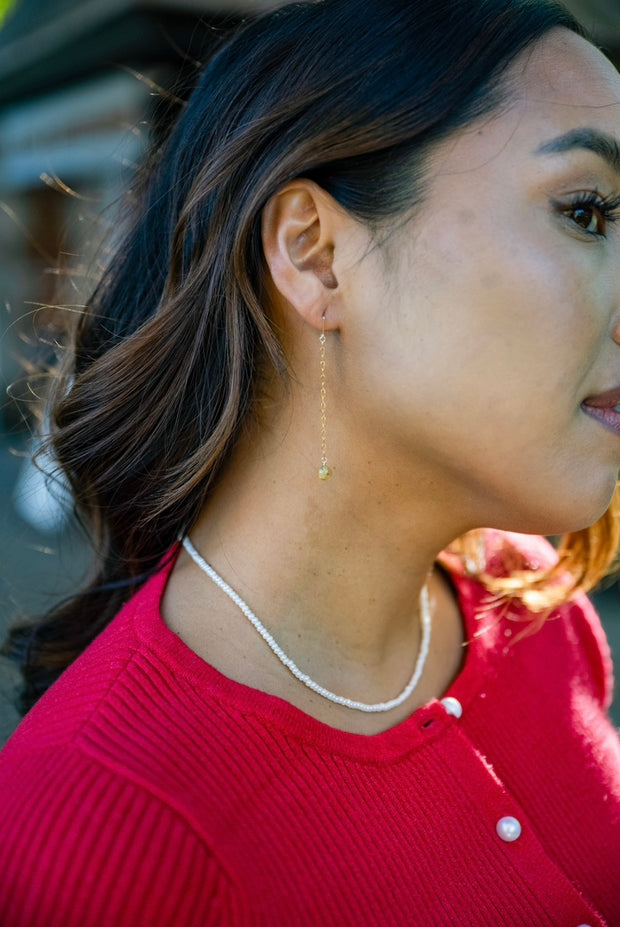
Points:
(166, 363)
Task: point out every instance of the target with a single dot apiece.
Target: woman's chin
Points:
(576, 514)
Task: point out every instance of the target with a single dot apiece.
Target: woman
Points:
(365, 323)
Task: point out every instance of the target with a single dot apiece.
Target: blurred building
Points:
(79, 100)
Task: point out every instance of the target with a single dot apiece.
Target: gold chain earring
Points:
(324, 470)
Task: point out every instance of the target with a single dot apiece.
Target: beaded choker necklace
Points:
(425, 618)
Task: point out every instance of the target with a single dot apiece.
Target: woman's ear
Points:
(299, 231)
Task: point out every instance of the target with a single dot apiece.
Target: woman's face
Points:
(499, 313)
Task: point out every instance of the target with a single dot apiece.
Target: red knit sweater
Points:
(148, 790)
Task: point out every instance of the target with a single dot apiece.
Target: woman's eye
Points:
(591, 212)
(589, 218)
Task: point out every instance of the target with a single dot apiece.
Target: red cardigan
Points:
(148, 790)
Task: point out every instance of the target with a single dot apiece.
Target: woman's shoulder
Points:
(105, 702)
(83, 843)
(78, 696)
(95, 772)
(139, 704)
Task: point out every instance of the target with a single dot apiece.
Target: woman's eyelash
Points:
(608, 205)
(583, 208)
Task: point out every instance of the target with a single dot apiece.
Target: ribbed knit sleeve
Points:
(63, 818)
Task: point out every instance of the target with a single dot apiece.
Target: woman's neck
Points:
(335, 572)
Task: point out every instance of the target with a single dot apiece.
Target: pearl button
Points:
(508, 829)
(453, 706)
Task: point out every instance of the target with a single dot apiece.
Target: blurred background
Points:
(85, 87)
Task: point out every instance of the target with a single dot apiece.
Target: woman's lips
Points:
(608, 400)
(609, 418)
(605, 408)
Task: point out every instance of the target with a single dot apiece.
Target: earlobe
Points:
(298, 243)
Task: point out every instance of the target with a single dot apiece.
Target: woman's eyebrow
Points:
(600, 143)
